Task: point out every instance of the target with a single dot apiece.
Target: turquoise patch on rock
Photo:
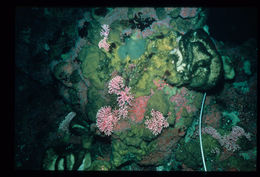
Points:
(133, 48)
(122, 52)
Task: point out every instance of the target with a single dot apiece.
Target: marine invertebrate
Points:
(157, 122)
(115, 85)
(124, 96)
(228, 141)
(104, 32)
(106, 120)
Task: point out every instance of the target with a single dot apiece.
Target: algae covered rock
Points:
(131, 145)
(63, 71)
(160, 12)
(86, 162)
(100, 165)
(247, 67)
(50, 160)
(90, 58)
(199, 64)
(158, 102)
(189, 154)
(55, 161)
(211, 147)
(229, 72)
(158, 68)
(87, 142)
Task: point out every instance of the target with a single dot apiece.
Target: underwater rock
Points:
(188, 12)
(229, 119)
(229, 72)
(87, 142)
(62, 71)
(83, 32)
(136, 113)
(70, 160)
(90, 58)
(131, 145)
(112, 15)
(213, 115)
(78, 129)
(61, 164)
(183, 25)
(189, 154)
(158, 102)
(100, 165)
(199, 64)
(101, 11)
(250, 154)
(163, 145)
(86, 163)
(115, 34)
(172, 12)
(161, 13)
(53, 161)
(161, 60)
(49, 160)
(247, 67)
(165, 43)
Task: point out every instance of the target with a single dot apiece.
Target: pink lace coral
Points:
(116, 85)
(157, 122)
(123, 112)
(124, 96)
(106, 120)
(103, 44)
(104, 32)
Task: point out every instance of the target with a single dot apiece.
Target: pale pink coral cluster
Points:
(123, 111)
(228, 141)
(157, 122)
(212, 131)
(103, 44)
(115, 85)
(106, 120)
(125, 98)
(104, 32)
